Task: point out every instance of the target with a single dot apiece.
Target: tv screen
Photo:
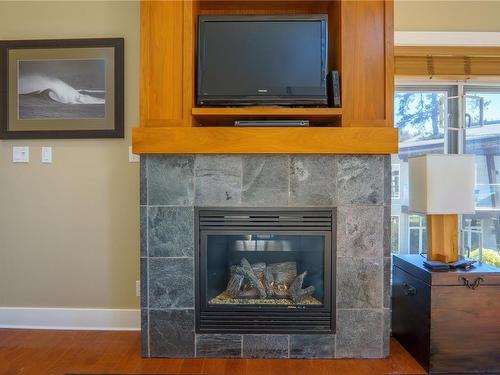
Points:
(252, 60)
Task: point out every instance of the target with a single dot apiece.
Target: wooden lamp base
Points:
(442, 238)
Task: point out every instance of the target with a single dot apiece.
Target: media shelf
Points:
(227, 115)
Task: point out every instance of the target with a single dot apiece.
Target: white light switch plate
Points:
(137, 288)
(20, 154)
(133, 158)
(46, 154)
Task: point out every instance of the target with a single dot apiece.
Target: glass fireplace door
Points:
(262, 268)
(265, 270)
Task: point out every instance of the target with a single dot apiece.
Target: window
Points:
(472, 235)
(483, 139)
(395, 185)
(423, 112)
(395, 234)
(418, 117)
(420, 120)
(417, 234)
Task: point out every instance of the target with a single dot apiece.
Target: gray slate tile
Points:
(386, 339)
(387, 281)
(313, 180)
(360, 231)
(144, 231)
(265, 346)
(218, 346)
(170, 231)
(171, 282)
(265, 181)
(359, 283)
(312, 346)
(361, 180)
(359, 334)
(143, 185)
(387, 232)
(217, 180)
(171, 333)
(144, 282)
(387, 179)
(170, 180)
(144, 333)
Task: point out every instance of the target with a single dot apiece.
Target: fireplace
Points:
(265, 270)
(344, 200)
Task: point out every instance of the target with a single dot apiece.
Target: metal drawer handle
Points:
(409, 290)
(471, 285)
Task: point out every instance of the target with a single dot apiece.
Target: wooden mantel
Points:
(232, 140)
(360, 48)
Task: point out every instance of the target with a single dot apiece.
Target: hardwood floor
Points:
(41, 352)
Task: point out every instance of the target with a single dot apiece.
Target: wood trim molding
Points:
(144, 64)
(389, 62)
(367, 38)
(234, 140)
(188, 68)
(303, 113)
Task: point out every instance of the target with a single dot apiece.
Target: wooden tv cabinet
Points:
(360, 47)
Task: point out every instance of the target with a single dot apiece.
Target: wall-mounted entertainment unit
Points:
(197, 79)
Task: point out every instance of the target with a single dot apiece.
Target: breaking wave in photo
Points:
(43, 97)
(57, 90)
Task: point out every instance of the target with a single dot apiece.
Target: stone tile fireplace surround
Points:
(358, 186)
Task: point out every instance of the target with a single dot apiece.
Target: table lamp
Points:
(442, 187)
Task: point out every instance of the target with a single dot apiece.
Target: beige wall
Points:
(476, 15)
(69, 232)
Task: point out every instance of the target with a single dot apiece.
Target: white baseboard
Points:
(70, 319)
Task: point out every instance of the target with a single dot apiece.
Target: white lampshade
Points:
(442, 184)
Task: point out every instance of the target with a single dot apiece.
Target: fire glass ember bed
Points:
(265, 270)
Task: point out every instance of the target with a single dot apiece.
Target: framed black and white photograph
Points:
(61, 88)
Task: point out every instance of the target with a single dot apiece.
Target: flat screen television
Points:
(262, 60)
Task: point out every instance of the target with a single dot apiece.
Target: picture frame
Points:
(62, 88)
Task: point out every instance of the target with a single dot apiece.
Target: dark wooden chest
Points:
(449, 321)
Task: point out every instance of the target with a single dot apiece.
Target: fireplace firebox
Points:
(265, 270)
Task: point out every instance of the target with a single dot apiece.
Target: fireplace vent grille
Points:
(313, 220)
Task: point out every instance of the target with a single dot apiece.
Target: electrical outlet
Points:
(20, 154)
(137, 288)
(46, 154)
(133, 158)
